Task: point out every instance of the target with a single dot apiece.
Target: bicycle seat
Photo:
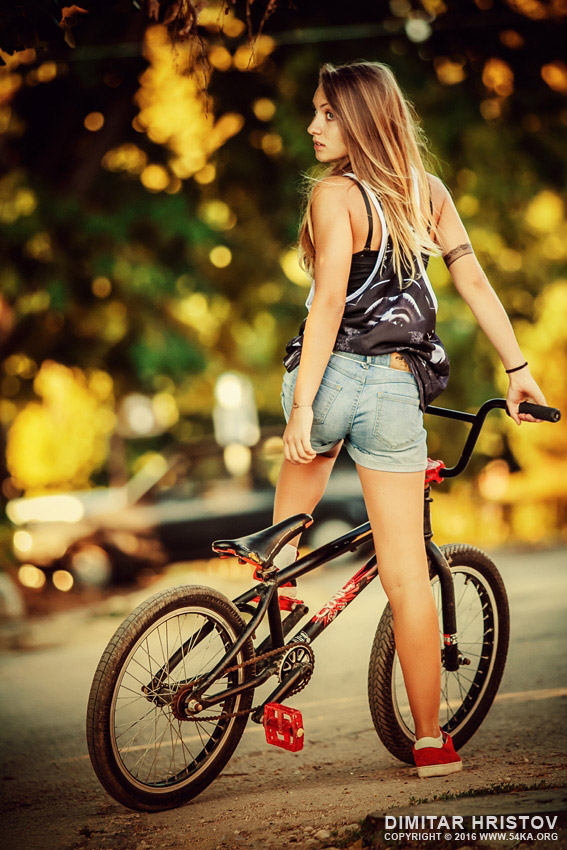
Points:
(262, 546)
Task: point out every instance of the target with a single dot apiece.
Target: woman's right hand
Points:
(297, 436)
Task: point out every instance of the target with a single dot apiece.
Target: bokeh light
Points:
(101, 287)
(292, 270)
(63, 580)
(264, 108)
(155, 178)
(555, 75)
(237, 459)
(94, 121)
(498, 77)
(220, 256)
(30, 576)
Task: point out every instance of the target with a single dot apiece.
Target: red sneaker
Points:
(437, 761)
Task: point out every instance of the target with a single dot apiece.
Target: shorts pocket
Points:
(286, 402)
(399, 421)
(326, 395)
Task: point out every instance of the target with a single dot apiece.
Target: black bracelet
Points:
(516, 368)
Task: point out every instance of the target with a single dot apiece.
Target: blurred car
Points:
(111, 535)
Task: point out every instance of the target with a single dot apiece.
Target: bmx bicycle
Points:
(174, 688)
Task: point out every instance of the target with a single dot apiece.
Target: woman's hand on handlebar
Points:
(297, 434)
(523, 388)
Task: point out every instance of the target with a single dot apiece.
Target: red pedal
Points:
(284, 727)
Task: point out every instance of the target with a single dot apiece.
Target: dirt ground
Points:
(267, 798)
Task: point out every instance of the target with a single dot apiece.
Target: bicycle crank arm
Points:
(282, 690)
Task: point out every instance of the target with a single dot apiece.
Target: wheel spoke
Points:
(148, 738)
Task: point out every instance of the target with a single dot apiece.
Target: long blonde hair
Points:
(385, 148)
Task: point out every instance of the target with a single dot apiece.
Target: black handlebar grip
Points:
(549, 414)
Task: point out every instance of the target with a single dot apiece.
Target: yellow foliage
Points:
(46, 72)
(292, 270)
(173, 106)
(545, 346)
(545, 212)
(250, 57)
(555, 75)
(216, 16)
(204, 315)
(126, 157)
(15, 200)
(271, 143)
(39, 247)
(264, 108)
(220, 58)
(220, 256)
(539, 9)
(498, 76)
(434, 7)
(57, 443)
(217, 214)
(94, 121)
(512, 39)
(449, 72)
(468, 205)
(21, 57)
(155, 178)
(9, 85)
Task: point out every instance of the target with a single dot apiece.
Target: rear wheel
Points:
(143, 755)
(483, 624)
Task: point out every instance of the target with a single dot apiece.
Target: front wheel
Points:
(143, 755)
(483, 629)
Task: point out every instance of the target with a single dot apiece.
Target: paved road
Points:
(52, 799)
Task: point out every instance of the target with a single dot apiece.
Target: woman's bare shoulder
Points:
(332, 188)
(439, 192)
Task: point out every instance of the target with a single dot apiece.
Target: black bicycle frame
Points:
(267, 592)
(268, 601)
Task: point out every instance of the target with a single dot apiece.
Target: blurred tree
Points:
(150, 202)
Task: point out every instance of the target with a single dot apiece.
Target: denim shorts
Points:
(373, 407)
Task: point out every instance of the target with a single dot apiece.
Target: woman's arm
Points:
(333, 243)
(474, 287)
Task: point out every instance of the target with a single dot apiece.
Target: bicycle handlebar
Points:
(549, 414)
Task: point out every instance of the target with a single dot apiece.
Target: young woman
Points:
(366, 360)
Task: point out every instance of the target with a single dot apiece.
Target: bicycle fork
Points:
(451, 657)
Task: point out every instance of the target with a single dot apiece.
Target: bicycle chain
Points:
(269, 654)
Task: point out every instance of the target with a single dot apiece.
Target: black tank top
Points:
(381, 317)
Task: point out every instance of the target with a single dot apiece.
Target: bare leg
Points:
(394, 503)
(301, 485)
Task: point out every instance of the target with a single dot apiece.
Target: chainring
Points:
(299, 654)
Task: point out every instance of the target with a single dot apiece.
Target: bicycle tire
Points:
(127, 732)
(478, 585)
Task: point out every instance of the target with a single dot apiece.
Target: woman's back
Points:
(380, 315)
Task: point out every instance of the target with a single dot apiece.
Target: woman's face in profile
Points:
(324, 128)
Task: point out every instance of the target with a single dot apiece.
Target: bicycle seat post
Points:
(275, 622)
